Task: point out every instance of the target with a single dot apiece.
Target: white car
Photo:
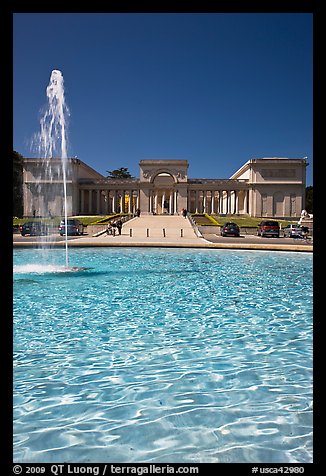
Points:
(293, 231)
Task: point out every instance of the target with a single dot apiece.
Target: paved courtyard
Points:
(170, 231)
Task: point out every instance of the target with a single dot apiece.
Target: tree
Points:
(121, 173)
(309, 199)
(17, 184)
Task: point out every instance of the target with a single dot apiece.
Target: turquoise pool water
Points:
(163, 355)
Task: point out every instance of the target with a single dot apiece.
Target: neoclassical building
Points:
(264, 187)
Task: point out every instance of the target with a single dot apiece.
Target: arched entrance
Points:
(164, 200)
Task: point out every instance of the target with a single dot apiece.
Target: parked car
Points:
(268, 228)
(34, 228)
(230, 229)
(295, 231)
(74, 227)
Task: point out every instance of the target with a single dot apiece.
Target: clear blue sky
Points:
(216, 89)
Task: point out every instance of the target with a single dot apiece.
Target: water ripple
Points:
(164, 356)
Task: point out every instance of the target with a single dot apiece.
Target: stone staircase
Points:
(159, 226)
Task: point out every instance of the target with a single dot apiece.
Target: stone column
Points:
(171, 203)
(114, 200)
(98, 208)
(155, 202)
(150, 200)
(175, 211)
(106, 202)
(236, 196)
(129, 200)
(82, 198)
(163, 200)
(252, 203)
(182, 196)
(189, 200)
(223, 201)
(90, 204)
(204, 201)
(143, 200)
(109, 202)
(212, 202)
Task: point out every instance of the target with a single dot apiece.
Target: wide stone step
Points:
(159, 226)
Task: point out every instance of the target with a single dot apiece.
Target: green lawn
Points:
(204, 219)
(85, 219)
(200, 219)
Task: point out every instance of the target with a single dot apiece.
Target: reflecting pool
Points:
(163, 355)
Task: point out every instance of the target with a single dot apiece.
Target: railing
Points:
(124, 219)
(194, 226)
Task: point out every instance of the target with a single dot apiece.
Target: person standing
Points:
(119, 225)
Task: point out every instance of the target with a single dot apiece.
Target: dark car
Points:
(34, 228)
(230, 229)
(74, 227)
(269, 228)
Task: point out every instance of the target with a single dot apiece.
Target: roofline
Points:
(246, 165)
(242, 169)
(74, 160)
(163, 162)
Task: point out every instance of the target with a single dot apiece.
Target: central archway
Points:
(163, 194)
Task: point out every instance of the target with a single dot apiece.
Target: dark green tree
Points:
(119, 173)
(309, 199)
(17, 184)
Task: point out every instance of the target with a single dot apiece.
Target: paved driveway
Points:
(254, 239)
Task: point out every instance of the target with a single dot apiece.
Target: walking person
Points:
(118, 224)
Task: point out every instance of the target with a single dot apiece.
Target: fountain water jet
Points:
(52, 139)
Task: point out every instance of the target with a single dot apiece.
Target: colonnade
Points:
(163, 201)
(97, 201)
(159, 201)
(218, 201)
